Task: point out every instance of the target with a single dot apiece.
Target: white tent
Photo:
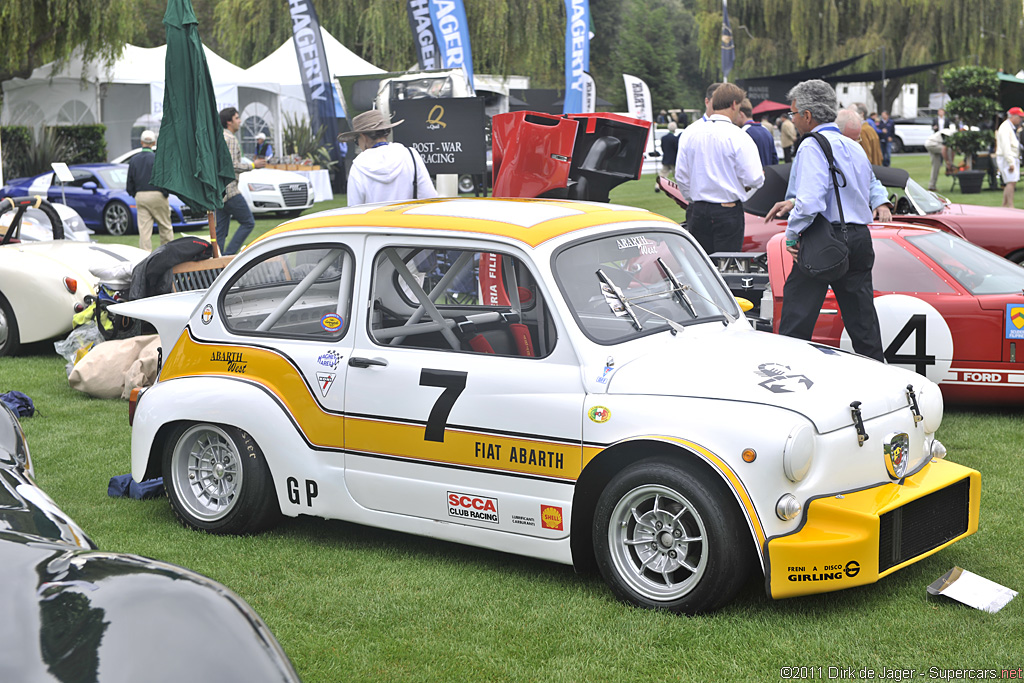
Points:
(282, 66)
(125, 95)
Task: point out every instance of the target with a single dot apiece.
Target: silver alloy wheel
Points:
(658, 542)
(466, 183)
(206, 472)
(117, 219)
(5, 328)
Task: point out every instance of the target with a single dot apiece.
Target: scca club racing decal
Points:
(782, 379)
(476, 508)
(829, 572)
(331, 322)
(551, 517)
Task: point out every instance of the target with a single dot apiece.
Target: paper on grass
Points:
(972, 590)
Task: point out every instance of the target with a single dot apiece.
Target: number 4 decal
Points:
(915, 326)
(453, 383)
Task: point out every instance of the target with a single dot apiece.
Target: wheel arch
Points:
(170, 405)
(606, 464)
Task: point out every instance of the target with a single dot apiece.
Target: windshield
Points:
(421, 87)
(924, 200)
(980, 271)
(628, 285)
(116, 177)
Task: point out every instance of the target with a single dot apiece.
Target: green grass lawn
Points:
(350, 603)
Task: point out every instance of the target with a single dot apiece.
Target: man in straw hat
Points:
(383, 171)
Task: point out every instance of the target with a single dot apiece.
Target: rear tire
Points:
(672, 538)
(218, 481)
(10, 341)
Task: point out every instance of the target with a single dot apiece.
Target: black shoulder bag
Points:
(822, 255)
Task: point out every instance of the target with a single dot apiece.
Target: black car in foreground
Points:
(74, 613)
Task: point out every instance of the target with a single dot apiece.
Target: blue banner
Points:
(577, 55)
(728, 47)
(452, 35)
(316, 76)
(422, 27)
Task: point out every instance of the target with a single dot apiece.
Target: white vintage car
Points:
(44, 283)
(567, 381)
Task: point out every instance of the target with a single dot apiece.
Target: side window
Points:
(305, 293)
(897, 270)
(459, 300)
(81, 178)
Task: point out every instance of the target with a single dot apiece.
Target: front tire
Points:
(668, 537)
(218, 481)
(117, 219)
(10, 341)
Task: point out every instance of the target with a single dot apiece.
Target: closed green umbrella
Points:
(192, 160)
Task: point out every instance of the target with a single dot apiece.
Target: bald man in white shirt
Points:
(717, 169)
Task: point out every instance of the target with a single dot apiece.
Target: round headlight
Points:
(798, 453)
(788, 507)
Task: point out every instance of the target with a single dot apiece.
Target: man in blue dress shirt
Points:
(810, 192)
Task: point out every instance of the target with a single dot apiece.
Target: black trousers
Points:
(802, 297)
(716, 227)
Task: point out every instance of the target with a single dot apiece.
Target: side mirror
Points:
(91, 186)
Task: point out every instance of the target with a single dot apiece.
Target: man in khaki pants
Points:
(150, 201)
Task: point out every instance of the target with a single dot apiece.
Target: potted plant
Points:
(973, 90)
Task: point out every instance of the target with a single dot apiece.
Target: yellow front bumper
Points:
(857, 538)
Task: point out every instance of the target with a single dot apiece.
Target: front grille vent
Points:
(924, 524)
(295, 194)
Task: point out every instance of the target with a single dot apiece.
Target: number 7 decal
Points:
(454, 383)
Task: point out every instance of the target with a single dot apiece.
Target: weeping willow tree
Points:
(507, 36)
(34, 32)
(778, 36)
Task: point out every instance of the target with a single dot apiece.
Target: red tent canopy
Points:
(768, 105)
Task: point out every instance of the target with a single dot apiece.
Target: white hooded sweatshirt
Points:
(385, 173)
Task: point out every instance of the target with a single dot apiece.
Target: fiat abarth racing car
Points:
(563, 380)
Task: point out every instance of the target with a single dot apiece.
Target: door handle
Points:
(356, 362)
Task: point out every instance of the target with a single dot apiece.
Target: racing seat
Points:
(508, 339)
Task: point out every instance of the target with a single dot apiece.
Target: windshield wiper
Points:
(677, 287)
(620, 305)
(616, 300)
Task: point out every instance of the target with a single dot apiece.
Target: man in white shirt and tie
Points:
(717, 169)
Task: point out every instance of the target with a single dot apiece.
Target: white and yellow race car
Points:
(562, 380)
